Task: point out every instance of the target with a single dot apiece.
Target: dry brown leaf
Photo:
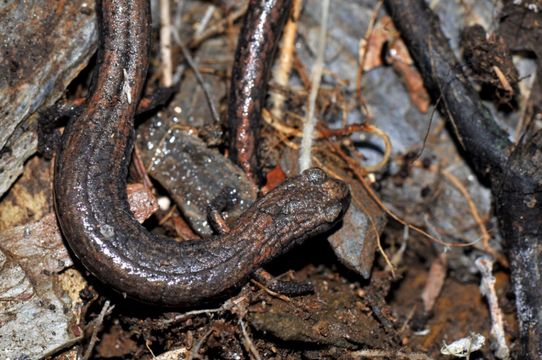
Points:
(435, 281)
(397, 55)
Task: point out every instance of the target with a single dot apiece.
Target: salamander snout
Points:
(331, 192)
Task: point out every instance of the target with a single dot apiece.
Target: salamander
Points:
(91, 202)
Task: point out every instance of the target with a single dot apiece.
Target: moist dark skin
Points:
(91, 201)
(261, 31)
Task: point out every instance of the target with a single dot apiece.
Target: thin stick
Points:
(248, 342)
(476, 216)
(227, 306)
(310, 120)
(194, 353)
(165, 44)
(219, 27)
(270, 292)
(284, 67)
(205, 20)
(472, 207)
(375, 353)
(106, 309)
(190, 61)
(364, 43)
(487, 288)
(191, 313)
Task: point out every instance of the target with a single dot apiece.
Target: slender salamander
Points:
(91, 201)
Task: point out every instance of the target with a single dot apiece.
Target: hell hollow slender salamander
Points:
(261, 30)
(90, 191)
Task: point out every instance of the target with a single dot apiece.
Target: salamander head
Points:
(307, 204)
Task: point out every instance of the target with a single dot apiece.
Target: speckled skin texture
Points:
(92, 208)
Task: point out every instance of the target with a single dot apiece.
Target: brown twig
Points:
(316, 78)
(195, 350)
(487, 288)
(192, 64)
(248, 342)
(97, 323)
(363, 47)
(375, 353)
(270, 292)
(515, 172)
(219, 27)
(285, 59)
(165, 43)
(476, 216)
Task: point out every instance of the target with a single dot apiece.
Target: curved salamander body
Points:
(92, 208)
(261, 31)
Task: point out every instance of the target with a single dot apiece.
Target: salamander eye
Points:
(315, 176)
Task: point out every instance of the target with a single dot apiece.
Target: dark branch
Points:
(515, 173)
(444, 78)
